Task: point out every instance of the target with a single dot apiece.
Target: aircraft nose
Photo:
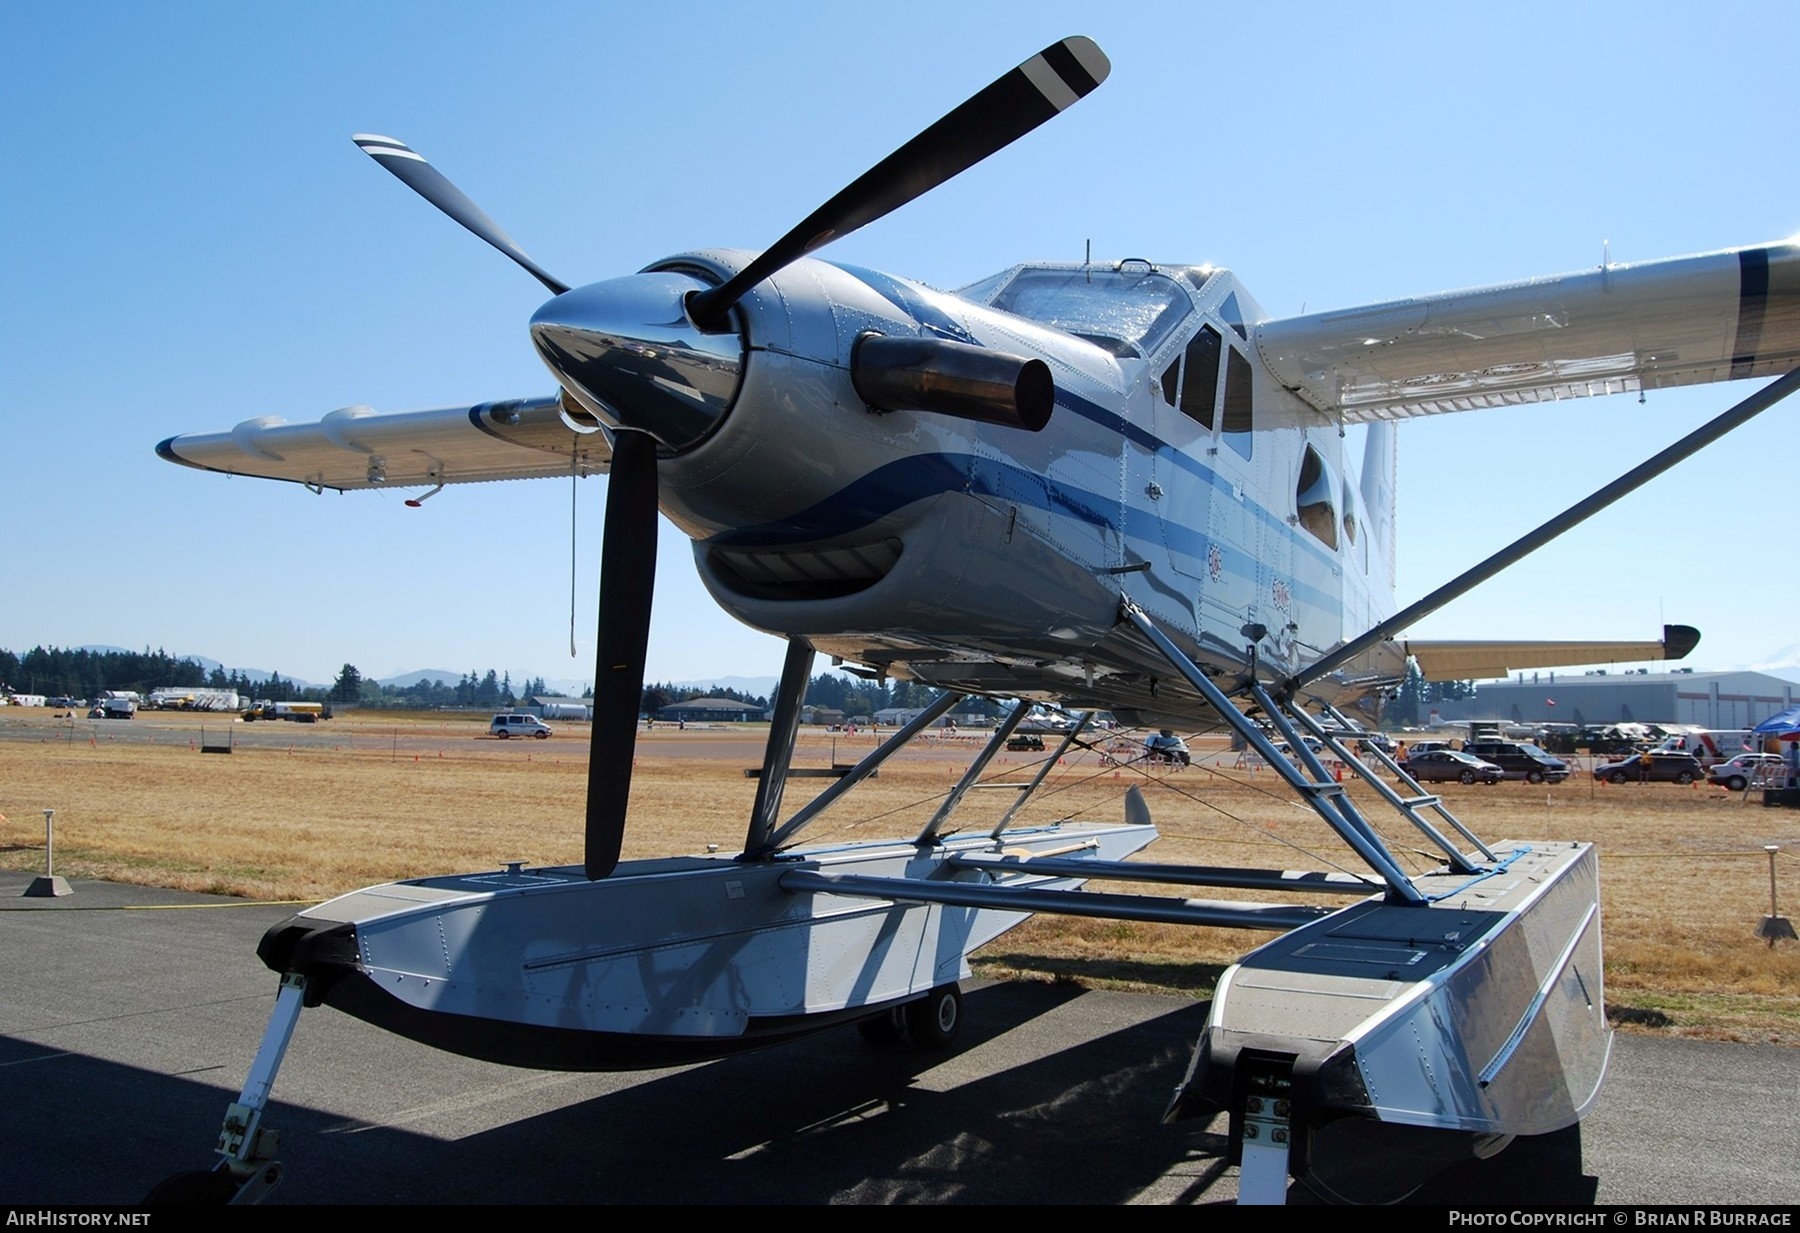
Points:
(627, 351)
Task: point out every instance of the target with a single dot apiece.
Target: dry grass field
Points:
(305, 812)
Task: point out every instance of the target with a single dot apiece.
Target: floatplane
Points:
(1109, 487)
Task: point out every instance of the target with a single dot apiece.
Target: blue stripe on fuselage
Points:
(918, 477)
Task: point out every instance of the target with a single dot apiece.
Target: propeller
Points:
(1020, 100)
(627, 581)
(411, 169)
(998, 115)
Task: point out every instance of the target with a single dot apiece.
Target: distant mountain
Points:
(446, 675)
(756, 686)
(209, 663)
(450, 676)
(1784, 663)
(253, 674)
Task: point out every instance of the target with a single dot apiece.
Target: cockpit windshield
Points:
(1128, 310)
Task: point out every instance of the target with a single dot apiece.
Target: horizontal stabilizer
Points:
(1458, 661)
(356, 447)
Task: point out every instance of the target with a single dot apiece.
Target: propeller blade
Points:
(1005, 111)
(413, 171)
(627, 580)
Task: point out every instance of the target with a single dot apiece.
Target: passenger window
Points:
(1201, 389)
(1240, 423)
(1313, 496)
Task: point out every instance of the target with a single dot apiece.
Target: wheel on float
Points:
(934, 1019)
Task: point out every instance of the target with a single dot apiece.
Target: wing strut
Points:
(1633, 479)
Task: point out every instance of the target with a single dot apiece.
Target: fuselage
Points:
(1174, 471)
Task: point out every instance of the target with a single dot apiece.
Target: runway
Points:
(130, 1016)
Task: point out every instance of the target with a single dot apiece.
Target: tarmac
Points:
(129, 1017)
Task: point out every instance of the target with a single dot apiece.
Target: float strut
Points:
(1267, 1139)
(245, 1147)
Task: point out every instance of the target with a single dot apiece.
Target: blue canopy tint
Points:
(1784, 725)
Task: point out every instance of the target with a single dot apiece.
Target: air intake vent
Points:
(805, 573)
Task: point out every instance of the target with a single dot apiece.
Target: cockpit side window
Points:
(1200, 378)
(1240, 420)
(983, 291)
(1313, 497)
(1234, 316)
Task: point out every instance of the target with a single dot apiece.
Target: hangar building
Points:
(1709, 699)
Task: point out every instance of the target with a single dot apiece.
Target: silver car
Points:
(1441, 765)
(504, 726)
(1740, 772)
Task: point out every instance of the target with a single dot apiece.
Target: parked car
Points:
(1442, 765)
(1312, 742)
(1165, 746)
(1521, 760)
(1417, 747)
(1655, 768)
(1739, 772)
(504, 726)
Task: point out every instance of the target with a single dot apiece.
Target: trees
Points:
(348, 686)
(87, 673)
(1412, 701)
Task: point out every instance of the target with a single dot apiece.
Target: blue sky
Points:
(193, 240)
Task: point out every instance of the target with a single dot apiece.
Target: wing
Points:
(1615, 329)
(1459, 661)
(355, 447)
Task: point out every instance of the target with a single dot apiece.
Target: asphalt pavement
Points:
(129, 1016)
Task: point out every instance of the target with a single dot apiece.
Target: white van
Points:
(504, 726)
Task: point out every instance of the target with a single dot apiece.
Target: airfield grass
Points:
(374, 798)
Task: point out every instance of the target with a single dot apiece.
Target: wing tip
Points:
(1678, 640)
(165, 450)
